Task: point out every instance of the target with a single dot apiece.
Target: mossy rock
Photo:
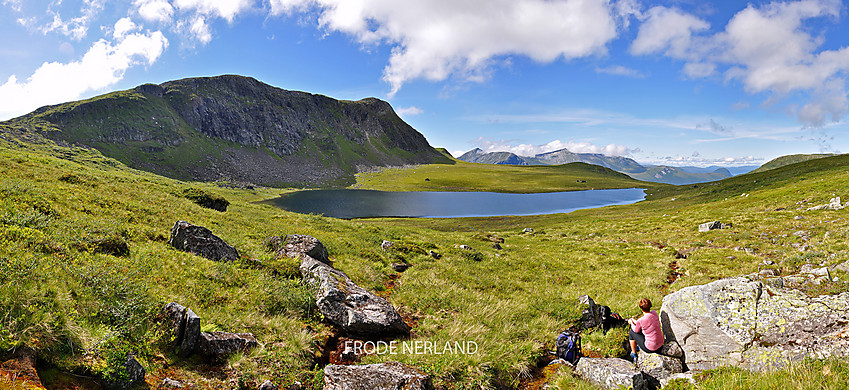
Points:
(205, 199)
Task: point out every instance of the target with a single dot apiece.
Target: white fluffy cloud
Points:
(488, 145)
(619, 70)
(438, 39)
(103, 65)
(409, 111)
(225, 9)
(154, 10)
(769, 49)
(75, 28)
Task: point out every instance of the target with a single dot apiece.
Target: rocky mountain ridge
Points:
(235, 128)
(652, 173)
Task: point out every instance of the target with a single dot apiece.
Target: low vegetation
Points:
(69, 289)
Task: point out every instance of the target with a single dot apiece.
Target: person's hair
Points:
(644, 304)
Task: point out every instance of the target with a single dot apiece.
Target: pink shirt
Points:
(649, 324)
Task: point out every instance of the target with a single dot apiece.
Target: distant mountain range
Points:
(235, 128)
(653, 173)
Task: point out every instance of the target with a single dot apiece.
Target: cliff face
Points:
(239, 129)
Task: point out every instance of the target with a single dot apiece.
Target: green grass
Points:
(788, 160)
(77, 303)
(464, 176)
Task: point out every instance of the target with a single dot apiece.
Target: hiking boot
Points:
(634, 357)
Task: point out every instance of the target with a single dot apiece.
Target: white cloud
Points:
(769, 49)
(666, 30)
(409, 111)
(201, 30)
(225, 9)
(103, 65)
(695, 160)
(15, 5)
(438, 39)
(154, 10)
(488, 145)
(75, 28)
(619, 70)
(123, 27)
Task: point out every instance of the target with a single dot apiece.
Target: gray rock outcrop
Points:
(267, 385)
(753, 324)
(191, 334)
(659, 366)
(609, 373)
(384, 376)
(132, 375)
(708, 226)
(293, 245)
(833, 204)
(220, 344)
(350, 307)
(169, 383)
(200, 241)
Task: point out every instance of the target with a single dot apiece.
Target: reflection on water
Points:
(366, 203)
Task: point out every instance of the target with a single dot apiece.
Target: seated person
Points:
(645, 332)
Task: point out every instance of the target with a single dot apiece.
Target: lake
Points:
(349, 204)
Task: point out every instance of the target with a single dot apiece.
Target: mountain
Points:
(657, 174)
(788, 160)
(733, 171)
(235, 128)
(679, 176)
(477, 155)
(616, 163)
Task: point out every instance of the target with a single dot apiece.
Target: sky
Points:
(676, 82)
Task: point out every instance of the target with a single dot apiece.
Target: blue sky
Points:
(674, 82)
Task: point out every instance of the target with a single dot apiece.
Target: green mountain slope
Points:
(235, 128)
(66, 292)
(678, 176)
(787, 160)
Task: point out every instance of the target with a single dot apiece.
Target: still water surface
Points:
(370, 204)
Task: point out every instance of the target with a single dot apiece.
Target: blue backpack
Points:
(569, 346)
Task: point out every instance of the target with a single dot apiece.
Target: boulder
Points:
(175, 317)
(267, 385)
(527, 230)
(657, 365)
(169, 383)
(609, 373)
(833, 204)
(844, 266)
(496, 246)
(754, 325)
(385, 245)
(384, 376)
(220, 344)
(400, 267)
(435, 255)
(708, 226)
(19, 369)
(132, 375)
(294, 245)
(684, 376)
(191, 334)
(350, 307)
(200, 241)
(671, 348)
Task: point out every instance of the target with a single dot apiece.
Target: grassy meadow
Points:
(85, 267)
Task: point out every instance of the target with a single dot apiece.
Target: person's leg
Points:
(637, 340)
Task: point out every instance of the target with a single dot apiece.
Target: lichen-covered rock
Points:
(658, 366)
(708, 226)
(384, 376)
(220, 344)
(610, 373)
(682, 377)
(754, 325)
(169, 383)
(672, 349)
(200, 241)
(355, 310)
(131, 375)
(190, 335)
(267, 385)
(833, 204)
(294, 245)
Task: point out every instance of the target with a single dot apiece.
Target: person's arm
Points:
(635, 325)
